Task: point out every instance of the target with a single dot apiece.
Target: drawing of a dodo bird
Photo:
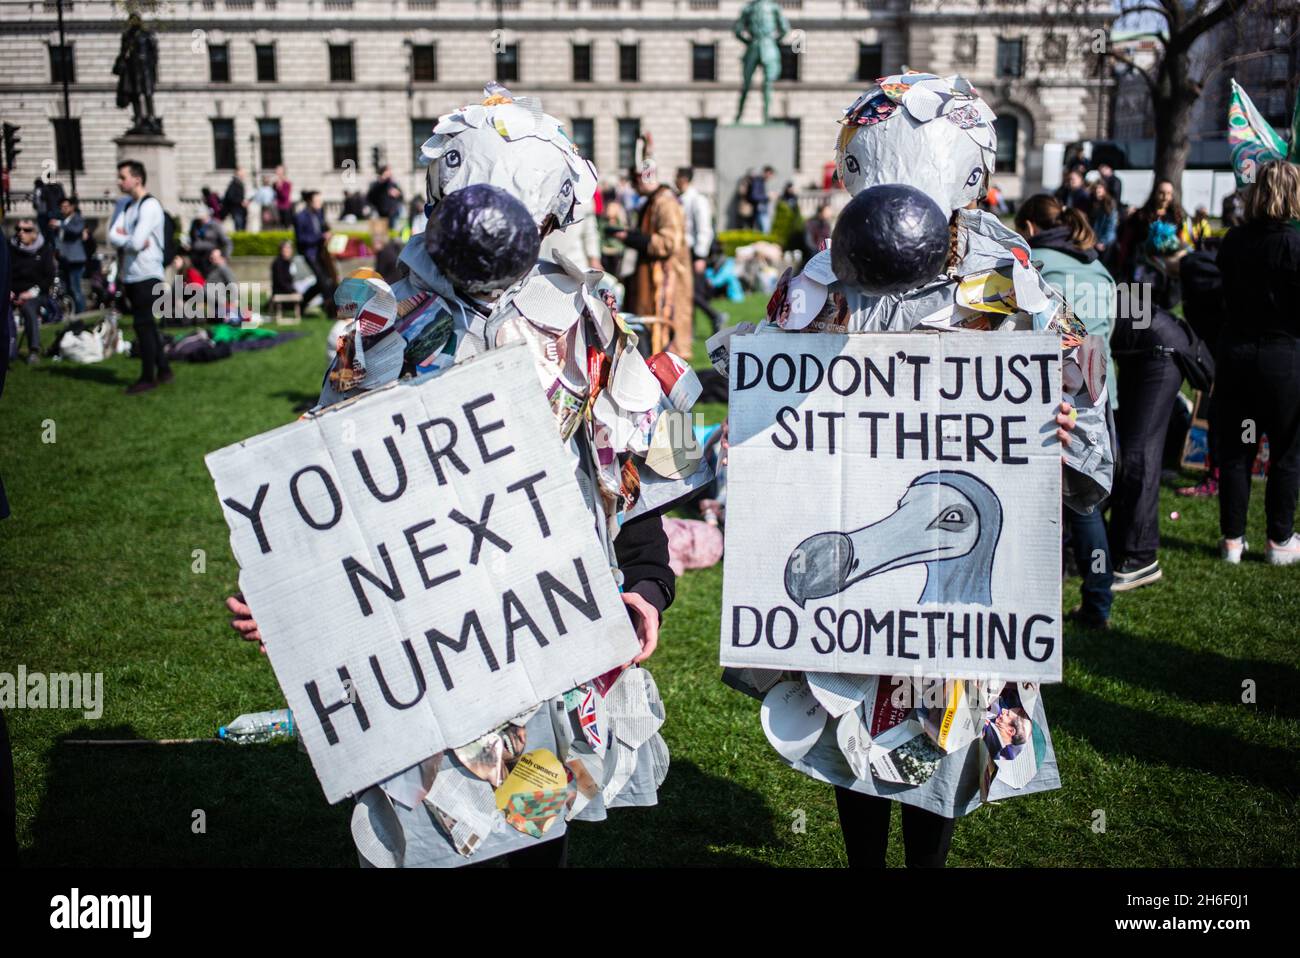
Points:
(949, 521)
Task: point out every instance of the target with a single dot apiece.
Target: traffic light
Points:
(11, 141)
(376, 157)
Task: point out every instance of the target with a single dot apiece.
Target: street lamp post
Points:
(410, 106)
(67, 110)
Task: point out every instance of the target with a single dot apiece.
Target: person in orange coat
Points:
(662, 283)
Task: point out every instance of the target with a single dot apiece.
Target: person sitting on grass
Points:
(282, 271)
(721, 277)
(222, 289)
(32, 270)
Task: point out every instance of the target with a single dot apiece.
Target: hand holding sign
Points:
(646, 619)
(243, 622)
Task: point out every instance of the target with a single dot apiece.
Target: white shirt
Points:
(699, 222)
(140, 238)
(579, 241)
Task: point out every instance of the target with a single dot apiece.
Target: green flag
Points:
(1252, 139)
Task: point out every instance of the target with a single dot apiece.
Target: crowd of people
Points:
(64, 274)
(1179, 301)
(659, 241)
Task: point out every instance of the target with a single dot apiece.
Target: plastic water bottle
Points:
(259, 727)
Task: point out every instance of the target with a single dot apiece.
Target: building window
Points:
(265, 62)
(582, 63)
(219, 64)
(421, 130)
(223, 144)
(343, 139)
(508, 63)
(871, 61)
(628, 65)
(1011, 58)
(789, 63)
(62, 64)
(67, 144)
(584, 137)
(340, 63)
(702, 134)
(424, 63)
(704, 62)
(1007, 128)
(965, 48)
(268, 135)
(794, 124)
(1273, 107)
(628, 132)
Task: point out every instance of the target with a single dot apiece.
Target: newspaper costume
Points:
(609, 405)
(966, 742)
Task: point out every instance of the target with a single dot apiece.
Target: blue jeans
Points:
(1092, 553)
(75, 271)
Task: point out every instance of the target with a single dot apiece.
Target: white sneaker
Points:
(1284, 553)
(1230, 550)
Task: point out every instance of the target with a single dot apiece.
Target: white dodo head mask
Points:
(507, 141)
(929, 132)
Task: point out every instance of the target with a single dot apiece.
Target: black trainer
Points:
(1134, 574)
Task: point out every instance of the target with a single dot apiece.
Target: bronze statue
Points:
(136, 69)
(760, 27)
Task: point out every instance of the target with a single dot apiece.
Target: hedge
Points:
(731, 239)
(267, 242)
(787, 227)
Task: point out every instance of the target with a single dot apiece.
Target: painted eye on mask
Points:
(453, 158)
(851, 163)
(974, 177)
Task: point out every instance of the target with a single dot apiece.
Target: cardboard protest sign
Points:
(894, 505)
(421, 566)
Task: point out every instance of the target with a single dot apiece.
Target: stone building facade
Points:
(325, 85)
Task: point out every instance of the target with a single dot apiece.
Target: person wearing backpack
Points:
(139, 229)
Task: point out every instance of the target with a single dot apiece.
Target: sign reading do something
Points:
(894, 505)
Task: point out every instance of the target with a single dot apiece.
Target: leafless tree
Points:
(1176, 80)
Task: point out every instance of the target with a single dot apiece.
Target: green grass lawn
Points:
(1149, 724)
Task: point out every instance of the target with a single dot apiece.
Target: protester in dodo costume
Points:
(917, 151)
(502, 178)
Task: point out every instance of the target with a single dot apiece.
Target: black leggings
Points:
(1258, 382)
(1148, 383)
(864, 821)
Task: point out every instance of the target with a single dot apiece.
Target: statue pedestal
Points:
(744, 148)
(155, 151)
